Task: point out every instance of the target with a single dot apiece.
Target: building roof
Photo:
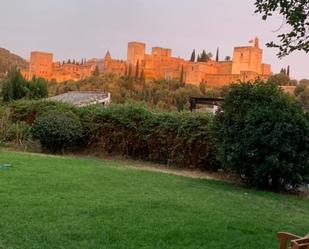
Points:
(82, 98)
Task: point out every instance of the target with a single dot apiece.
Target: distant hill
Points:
(7, 60)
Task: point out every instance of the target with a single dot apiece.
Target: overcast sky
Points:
(88, 28)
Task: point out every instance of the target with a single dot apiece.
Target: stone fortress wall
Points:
(245, 65)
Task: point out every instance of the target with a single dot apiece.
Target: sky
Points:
(79, 29)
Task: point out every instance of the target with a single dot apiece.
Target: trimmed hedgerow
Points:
(179, 139)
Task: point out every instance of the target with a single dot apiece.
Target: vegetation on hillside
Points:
(9, 60)
(161, 94)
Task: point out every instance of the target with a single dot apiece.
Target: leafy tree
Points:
(295, 14)
(227, 58)
(193, 56)
(304, 82)
(262, 134)
(280, 79)
(302, 92)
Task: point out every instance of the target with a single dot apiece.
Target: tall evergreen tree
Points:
(198, 58)
(217, 55)
(182, 76)
(137, 69)
(96, 72)
(130, 71)
(14, 87)
(203, 57)
(193, 56)
(288, 71)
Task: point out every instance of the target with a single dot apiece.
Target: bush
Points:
(263, 136)
(57, 131)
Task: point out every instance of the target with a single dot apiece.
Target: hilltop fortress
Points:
(246, 65)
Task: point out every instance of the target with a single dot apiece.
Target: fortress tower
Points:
(136, 52)
(247, 59)
(41, 65)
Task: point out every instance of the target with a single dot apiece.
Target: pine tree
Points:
(217, 55)
(198, 58)
(193, 56)
(288, 71)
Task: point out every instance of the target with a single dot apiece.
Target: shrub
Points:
(263, 136)
(57, 131)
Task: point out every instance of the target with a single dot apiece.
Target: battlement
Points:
(161, 52)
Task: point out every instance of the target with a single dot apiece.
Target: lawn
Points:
(65, 202)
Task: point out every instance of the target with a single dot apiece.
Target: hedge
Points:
(179, 139)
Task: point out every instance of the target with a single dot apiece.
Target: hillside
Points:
(7, 60)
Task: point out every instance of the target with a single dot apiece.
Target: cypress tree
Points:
(182, 76)
(198, 58)
(130, 71)
(217, 55)
(142, 79)
(96, 72)
(193, 56)
(137, 69)
(288, 71)
(203, 56)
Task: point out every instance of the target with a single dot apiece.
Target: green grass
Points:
(60, 202)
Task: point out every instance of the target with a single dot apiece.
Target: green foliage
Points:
(37, 89)
(281, 79)
(57, 131)
(192, 59)
(295, 14)
(181, 139)
(15, 87)
(9, 60)
(302, 92)
(217, 55)
(263, 136)
(96, 72)
(160, 94)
